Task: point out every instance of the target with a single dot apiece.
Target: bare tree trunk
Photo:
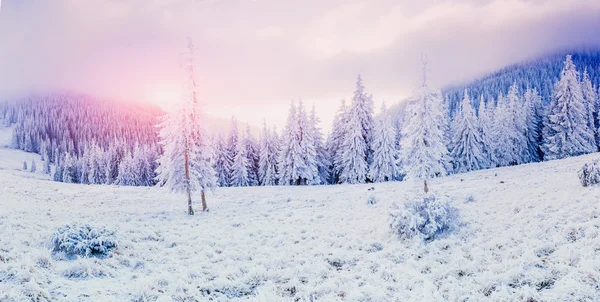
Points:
(190, 210)
(204, 207)
(187, 179)
(425, 187)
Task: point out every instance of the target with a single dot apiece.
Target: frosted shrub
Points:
(83, 240)
(590, 173)
(427, 216)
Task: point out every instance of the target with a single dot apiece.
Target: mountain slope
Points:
(540, 73)
(531, 233)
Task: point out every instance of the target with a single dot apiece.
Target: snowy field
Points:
(531, 233)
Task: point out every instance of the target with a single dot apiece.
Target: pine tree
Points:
(353, 158)
(232, 144)
(566, 131)
(517, 129)
(267, 170)
(590, 98)
(485, 126)
(362, 106)
(222, 163)
(69, 172)
(323, 162)
(127, 174)
(252, 156)
(141, 167)
(241, 166)
(309, 175)
(467, 152)
(291, 160)
(384, 166)
(533, 124)
(185, 164)
(335, 141)
(33, 167)
(502, 134)
(424, 154)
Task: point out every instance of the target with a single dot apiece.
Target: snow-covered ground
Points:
(531, 233)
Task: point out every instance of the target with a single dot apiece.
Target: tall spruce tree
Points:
(384, 166)
(467, 152)
(423, 154)
(185, 164)
(222, 163)
(533, 123)
(267, 167)
(590, 98)
(566, 131)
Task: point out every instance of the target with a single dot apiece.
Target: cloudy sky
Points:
(254, 56)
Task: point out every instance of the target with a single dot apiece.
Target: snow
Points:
(530, 231)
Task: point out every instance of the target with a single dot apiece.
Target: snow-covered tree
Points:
(232, 145)
(267, 168)
(502, 134)
(141, 166)
(485, 125)
(223, 162)
(467, 152)
(590, 98)
(33, 167)
(291, 159)
(423, 153)
(335, 141)
(385, 155)
(517, 129)
(252, 155)
(566, 131)
(24, 165)
(69, 172)
(353, 161)
(323, 162)
(241, 166)
(362, 106)
(185, 165)
(533, 124)
(127, 173)
(310, 174)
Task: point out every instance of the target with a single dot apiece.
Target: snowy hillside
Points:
(531, 233)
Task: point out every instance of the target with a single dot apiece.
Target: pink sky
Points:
(254, 56)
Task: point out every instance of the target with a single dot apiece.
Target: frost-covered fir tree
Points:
(69, 171)
(310, 174)
(141, 166)
(323, 162)
(24, 165)
(423, 153)
(291, 159)
(385, 154)
(590, 98)
(33, 167)
(566, 131)
(335, 141)
(467, 152)
(485, 125)
(502, 134)
(127, 172)
(241, 166)
(533, 124)
(353, 153)
(232, 145)
(517, 129)
(97, 166)
(185, 165)
(222, 163)
(253, 157)
(362, 106)
(267, 167)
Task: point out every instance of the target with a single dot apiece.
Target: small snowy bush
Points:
(590, 173)
(372, 199)
(83, 240)
(428, 216)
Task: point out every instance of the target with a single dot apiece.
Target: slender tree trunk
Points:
(190, 210)
(204, 207)
(187, 179)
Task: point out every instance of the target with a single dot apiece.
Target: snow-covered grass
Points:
(529, 232)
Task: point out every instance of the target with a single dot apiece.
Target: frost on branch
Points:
(427, 216)
(590, 173)
(83, 240)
